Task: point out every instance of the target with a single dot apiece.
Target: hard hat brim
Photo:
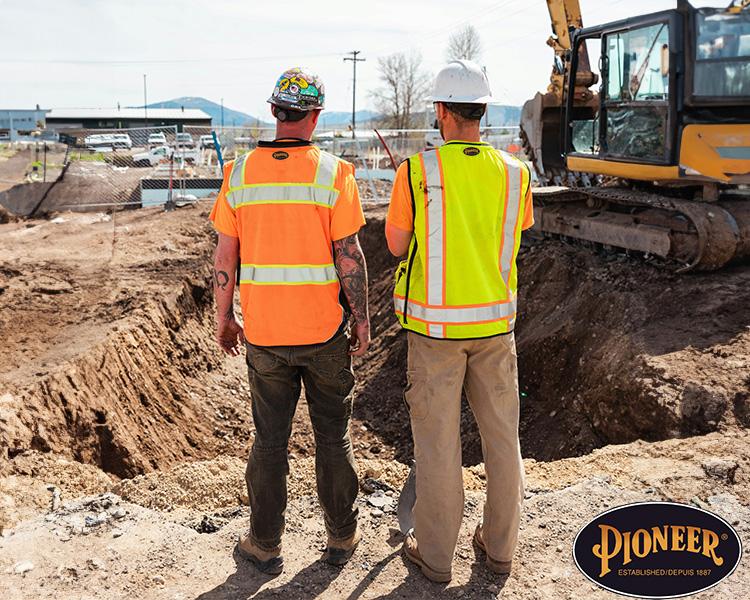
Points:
(464, 99)
(292, 106)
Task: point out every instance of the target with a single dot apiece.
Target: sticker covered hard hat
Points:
(298, 90)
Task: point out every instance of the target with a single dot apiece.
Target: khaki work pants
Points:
(437, 372)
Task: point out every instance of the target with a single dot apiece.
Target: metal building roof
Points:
(127, 113)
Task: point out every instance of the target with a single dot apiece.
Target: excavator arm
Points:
(565, 15)
(541, 119)
(737, 6)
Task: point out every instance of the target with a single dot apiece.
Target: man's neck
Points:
(464, 134)
(284, 132)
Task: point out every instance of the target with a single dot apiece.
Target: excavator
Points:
(651, 155)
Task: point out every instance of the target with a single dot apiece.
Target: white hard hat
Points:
(462, 81)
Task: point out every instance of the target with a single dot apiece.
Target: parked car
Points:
(152, 157)
(122, 140)
(99, 141)
(206, 141)
(162, 154)
(184, 140)
(157, 139)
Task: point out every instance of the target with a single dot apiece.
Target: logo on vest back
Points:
(280, 155)
(471, 151)
(657, 550)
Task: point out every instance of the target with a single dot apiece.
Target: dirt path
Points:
(127, 550)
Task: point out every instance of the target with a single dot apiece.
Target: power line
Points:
(165, 61)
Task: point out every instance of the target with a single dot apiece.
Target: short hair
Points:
(467, 111)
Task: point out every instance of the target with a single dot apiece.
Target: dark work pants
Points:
(276, 375)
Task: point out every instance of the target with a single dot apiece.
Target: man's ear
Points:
(314, 117)
(440, 111)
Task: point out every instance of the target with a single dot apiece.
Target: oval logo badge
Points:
(657, 550)
(472, 151)
(280, 155)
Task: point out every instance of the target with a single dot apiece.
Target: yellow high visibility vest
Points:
(459, 280)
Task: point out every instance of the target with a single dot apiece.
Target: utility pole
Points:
(354, 60)
(222, 114)
(145, 102)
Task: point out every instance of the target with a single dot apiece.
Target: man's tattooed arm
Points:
(228, 330)
(221, 279)
(352, 270)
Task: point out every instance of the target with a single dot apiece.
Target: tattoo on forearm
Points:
(221, 279)
(352, 270)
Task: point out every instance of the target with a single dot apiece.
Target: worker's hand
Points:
(230, 336)
(359, 341)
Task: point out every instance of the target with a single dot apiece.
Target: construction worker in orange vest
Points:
(288, 215)
(457, 214)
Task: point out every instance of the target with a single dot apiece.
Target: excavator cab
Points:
(651, 154)
(674, 100)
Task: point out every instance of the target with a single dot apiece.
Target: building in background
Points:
(61, 119)
(22, 123)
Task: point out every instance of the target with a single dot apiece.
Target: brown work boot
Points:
(412, 553)
(496, 566)
(339, 552)
(269, 562)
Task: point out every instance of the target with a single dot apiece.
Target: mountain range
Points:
(498, 115)
(232, 118)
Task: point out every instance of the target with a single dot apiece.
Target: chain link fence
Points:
(104, 170)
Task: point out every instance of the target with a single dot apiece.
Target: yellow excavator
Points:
(652, 154)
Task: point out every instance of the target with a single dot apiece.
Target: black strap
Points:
(284, 143)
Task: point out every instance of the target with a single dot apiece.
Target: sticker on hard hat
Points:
(471, 151)
(280, 155)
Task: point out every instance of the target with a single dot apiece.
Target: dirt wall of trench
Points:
(610, 350)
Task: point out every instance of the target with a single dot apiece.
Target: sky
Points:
(94, 53)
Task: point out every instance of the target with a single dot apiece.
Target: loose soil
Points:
(111, 383)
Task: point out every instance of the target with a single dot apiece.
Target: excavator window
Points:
(636, 91)
(722, 59)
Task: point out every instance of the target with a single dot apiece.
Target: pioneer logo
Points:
(657, 550)
(280, 155)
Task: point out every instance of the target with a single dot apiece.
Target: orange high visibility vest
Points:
(283, 198)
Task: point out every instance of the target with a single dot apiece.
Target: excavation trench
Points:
(609, 351)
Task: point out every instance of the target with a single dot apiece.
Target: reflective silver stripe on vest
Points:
(458, 316)
(288, 275)
(283, 194)
(321, 192)
(326, 172)
(235, 178)
(435, 233)
(514, 174)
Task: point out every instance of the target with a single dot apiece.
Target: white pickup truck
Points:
(162, 154)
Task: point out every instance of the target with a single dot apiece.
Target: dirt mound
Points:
(610, 350)
(33, 481)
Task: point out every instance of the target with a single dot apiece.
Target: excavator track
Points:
(694, 235)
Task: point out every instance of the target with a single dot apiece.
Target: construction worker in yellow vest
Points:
(456, 215)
